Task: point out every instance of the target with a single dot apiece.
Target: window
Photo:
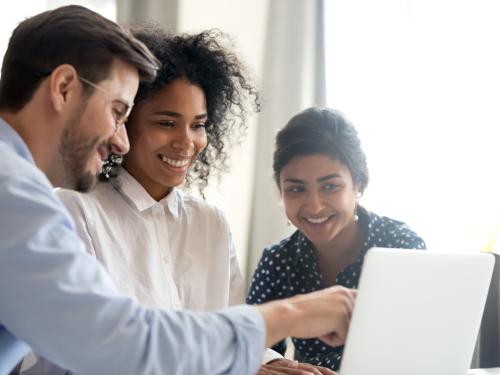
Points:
(420, 79)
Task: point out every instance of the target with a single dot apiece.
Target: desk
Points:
(489, 371)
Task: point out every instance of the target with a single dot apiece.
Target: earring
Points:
(356, 217)
(288, 223)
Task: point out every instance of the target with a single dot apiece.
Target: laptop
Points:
(417, 312)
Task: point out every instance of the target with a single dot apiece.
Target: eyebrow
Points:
(124, 102)
(177, 114)
(319, 179)
(328, 177)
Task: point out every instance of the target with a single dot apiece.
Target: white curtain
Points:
(165, 12)
(292, 80)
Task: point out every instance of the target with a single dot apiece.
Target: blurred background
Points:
(420, 79)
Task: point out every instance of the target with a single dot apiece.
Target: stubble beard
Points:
(76, 152)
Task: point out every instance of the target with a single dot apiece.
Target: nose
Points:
(119, 141)
(314, 203)
(182, 139)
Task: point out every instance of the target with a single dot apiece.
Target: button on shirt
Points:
(58, 299)
(289, 268)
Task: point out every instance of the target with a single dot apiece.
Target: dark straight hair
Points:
(324, 131)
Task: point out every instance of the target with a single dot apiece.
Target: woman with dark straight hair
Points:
(321, 172)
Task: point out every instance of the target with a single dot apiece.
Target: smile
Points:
(176, 163)
(318, 220)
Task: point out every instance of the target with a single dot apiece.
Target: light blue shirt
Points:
(59, 300)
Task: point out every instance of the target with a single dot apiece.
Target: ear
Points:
(64, 85)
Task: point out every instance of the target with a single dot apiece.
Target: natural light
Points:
(420, 79)
(22, 9)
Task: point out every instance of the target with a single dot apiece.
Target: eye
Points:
(166, 123)
(118, 114)
(330, 187)
(295, 189)
(199, 125)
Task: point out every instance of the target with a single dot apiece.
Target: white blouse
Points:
(172, 254)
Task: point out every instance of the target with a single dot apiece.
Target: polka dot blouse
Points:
(290, 268)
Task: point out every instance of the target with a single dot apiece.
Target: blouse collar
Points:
(135, 193)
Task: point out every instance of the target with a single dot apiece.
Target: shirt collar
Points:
(14, 140)
(128, 186)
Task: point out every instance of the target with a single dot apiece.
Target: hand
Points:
(324, 314)
(330, 307)
(287, 367)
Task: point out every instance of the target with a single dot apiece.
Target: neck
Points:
(155, 191)
(347, 245)
(41, 135)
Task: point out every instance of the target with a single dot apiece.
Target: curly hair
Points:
(205, 60)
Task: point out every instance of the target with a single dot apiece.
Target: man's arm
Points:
(60, 301)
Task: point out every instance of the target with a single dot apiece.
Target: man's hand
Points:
(324, 314)
(287, 367)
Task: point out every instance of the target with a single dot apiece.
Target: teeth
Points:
(318, 220)
(175, 163)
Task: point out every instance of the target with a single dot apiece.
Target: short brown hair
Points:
(67, 35)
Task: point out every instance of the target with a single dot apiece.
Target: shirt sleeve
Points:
(60, 301)
(270, 355)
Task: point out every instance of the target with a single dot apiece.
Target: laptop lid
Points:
(417, 312)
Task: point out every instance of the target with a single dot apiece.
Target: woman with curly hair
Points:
(164, 247)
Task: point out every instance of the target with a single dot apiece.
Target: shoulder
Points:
(29, 207)
(23, 181)
(270, 279)
(13, 167)
(285, 248)
(387, 232)
(199, 209)
(95, 197)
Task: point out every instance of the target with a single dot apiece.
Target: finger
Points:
(337, 337)
(331, 339)
(283, 362)
(290, 371)
(307, 367)
(320, 370)
(326, 371)
(265, 371)
(293, 371)
(350, 302)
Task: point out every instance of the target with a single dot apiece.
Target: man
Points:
(68, 81)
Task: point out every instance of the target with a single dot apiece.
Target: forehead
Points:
(312, 167)
(180, 94)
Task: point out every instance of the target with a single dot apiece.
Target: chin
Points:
(173, 182)
(85, 182)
